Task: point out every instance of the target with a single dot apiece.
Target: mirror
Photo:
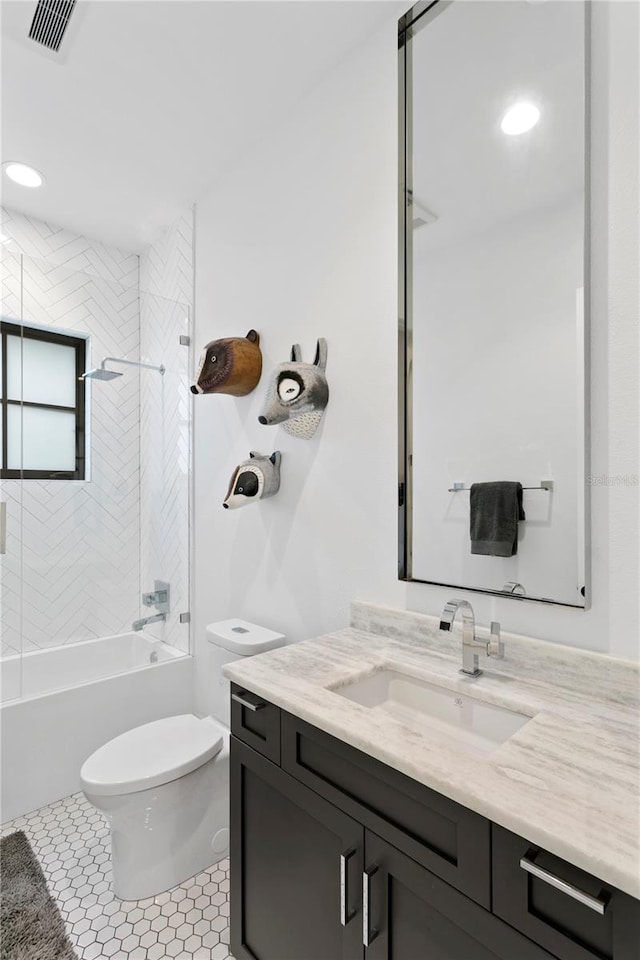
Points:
(493, 274)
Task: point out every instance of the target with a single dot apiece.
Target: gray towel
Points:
(495, 509)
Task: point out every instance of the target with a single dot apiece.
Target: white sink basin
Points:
(478, 727)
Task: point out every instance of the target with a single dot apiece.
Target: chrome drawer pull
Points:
(345, 916)
(368, 935)
(240, 698)
(594, 903)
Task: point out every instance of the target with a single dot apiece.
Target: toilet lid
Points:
(152, 754)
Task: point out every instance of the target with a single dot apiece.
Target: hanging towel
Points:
(495, 510)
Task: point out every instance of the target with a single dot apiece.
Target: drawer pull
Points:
(368, 934)
(251, 704)
(594, 903)
(345, 916)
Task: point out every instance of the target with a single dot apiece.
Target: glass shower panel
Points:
(10, 505)
(80, 531)
(80, 553)
(165, 456)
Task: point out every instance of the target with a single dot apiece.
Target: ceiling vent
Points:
(50, 22)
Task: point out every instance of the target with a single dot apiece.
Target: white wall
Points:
(495, 396)
(299, 241)
(71, 570)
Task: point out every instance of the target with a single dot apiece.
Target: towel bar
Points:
(543, 485)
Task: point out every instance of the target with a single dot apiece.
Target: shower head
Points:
(100, 374)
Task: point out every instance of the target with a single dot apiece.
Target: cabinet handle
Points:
(594, 903)
(243, 700)
(368, 933)
(345, 916)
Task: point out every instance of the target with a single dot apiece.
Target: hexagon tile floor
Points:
(190, 922)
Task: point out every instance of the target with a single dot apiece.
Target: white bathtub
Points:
(58, 668)
(60, 705)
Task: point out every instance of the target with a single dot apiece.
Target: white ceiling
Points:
(152, 100)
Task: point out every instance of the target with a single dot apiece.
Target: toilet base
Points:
(163, 836)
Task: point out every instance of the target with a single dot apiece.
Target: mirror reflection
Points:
(495, 290)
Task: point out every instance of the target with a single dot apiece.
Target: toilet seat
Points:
(152, 754)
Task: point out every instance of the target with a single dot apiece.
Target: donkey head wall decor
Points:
(298, 393)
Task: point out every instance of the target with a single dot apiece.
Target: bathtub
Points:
(61, 704)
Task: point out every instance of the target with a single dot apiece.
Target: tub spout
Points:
(139, 624)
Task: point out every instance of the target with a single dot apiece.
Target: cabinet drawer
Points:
(256, 721)
(567, 911)
(446, 838)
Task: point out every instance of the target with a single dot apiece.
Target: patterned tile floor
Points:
(190, 922)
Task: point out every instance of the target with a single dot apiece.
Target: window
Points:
(43, 404)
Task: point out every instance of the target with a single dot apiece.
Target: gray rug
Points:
(31, 925)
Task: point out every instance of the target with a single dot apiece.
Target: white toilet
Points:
(164, 786)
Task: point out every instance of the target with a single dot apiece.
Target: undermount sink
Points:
(477, 726)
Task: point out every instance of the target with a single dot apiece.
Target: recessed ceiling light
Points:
(23, 174)
(520, 118)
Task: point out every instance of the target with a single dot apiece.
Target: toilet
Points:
(164, 786)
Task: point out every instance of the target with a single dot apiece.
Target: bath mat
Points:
(31, 925)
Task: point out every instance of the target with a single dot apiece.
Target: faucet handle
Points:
(495, 644)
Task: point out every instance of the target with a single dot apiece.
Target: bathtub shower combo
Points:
(95, 496)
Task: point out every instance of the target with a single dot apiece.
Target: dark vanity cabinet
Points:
(335, 856)
(289, 846)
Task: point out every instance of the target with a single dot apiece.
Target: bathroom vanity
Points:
(357, 831)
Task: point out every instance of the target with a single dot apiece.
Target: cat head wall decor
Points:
(232, 365)
(298, 393)
(254, 479)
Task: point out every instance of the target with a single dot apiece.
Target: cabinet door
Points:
(410, 914)
(296, 868)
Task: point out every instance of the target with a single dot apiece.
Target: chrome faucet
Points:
(159, 598)
(139, 624)
(494, 647)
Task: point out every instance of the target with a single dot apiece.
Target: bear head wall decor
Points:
(232, 365)
(255, 479)
(298, 393)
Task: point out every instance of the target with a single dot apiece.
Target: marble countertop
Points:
(568, 780)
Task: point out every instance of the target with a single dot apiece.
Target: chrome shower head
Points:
(100, 374)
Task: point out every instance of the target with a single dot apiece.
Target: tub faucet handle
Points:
(159, 598)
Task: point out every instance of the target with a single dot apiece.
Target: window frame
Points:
(79, 344)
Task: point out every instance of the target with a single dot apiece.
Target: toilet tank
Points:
(230, 640)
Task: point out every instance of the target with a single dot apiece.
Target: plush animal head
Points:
(255, 479)
(230, 366)
(298, 393)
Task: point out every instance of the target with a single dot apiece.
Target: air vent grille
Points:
(50, 22)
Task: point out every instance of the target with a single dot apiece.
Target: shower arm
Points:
(133, 363)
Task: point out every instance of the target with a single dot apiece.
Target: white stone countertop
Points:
(567, 781)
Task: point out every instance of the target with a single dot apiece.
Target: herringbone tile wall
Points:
(166, 291)
(72, 567)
